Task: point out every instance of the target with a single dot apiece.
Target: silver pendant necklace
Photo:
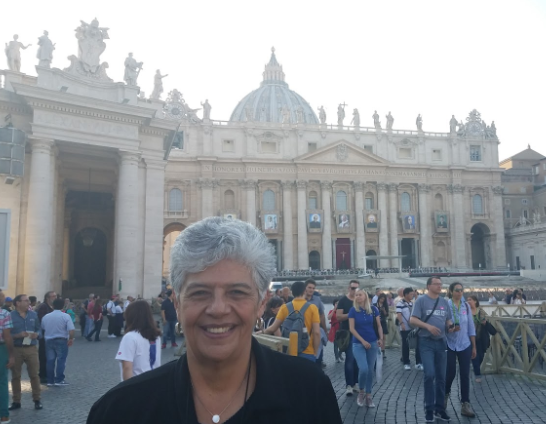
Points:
(216, 417)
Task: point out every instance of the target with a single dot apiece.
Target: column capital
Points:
(423, 188)
(497, 190)
(43, 144)
(381, 187)
(455, 188)
(248, 184)
(156, 164)
(206, 183)
(393, 187)
(287, 185)
(301, 184)
(326, 185)
(129, 156)
(358, 185)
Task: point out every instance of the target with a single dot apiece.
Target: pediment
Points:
(341, 152)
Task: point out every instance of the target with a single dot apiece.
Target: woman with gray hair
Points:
(220, 270)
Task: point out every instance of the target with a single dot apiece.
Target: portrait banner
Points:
(270, 222)
(409, 224)
(343, 222)
(314, 220)
(371, 220)
(441, 221)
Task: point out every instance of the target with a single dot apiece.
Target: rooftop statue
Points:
(13, 53)
(299, 114)
(206, 109)
(341, 114)
(45, 51)
(158, 85)
(90, 46)
(453, 125)
(132, 69)
(285, 112)
(390, 121)
(461, 130)
(419, 123)
(322, 115)
(356, 118)
(376, 122)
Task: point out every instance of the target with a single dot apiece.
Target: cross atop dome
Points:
(273, 71)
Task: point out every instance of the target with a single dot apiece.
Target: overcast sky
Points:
(436, 58)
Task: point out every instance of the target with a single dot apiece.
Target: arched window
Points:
(313, 200)
(477, 204)
(439, 202)
(405, 202)
(229, 199)
(269, 200)
(175, 200)
(341, 201)
(369, 203)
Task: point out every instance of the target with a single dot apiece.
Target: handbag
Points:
(414, 334)
(490, 328)
(343, 340)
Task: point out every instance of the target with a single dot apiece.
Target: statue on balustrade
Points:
(322, 115)
(376, 122)
(356, 118)
(206, 109)
(390, 121)
(453, 125)
(158, 85)
(45, 51)
(13, 53)
(132, 70)
(419, 123)
(341, 114)
(91, 44)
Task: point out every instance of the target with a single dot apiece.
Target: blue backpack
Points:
(295, 321)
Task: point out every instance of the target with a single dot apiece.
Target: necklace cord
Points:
(228, 405)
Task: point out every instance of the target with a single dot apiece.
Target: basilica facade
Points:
(97, 180)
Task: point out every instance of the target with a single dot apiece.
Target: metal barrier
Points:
(516, 311)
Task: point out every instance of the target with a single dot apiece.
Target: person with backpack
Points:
(300, 316)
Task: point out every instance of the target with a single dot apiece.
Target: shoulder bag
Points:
(413, 334)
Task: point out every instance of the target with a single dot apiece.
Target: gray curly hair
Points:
(214, 239)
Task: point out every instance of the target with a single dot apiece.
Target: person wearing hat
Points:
(8, 304)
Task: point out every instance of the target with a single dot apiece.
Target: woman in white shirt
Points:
(139, 350)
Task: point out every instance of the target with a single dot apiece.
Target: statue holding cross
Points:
(341, 113)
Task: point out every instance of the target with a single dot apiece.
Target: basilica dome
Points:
(274, 101)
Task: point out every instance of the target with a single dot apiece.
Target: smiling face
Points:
(217, 309)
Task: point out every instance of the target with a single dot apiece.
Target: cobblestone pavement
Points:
(92, 370)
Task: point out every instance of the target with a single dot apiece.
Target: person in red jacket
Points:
(334, 326)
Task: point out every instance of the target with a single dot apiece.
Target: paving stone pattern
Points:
(92, 370)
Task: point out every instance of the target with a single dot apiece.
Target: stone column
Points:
(39, 240)
(383, 228)
(288, 253)
(500, 246)
(127, 224)
(66, 245)
(206, 197)
(393, 223)
(457, 231)
(360, 242)
(303, 250)
(424, 222)
(327, 224)
(153, 227)
(250, 187)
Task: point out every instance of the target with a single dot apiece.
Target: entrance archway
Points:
(371, 263)
(479, 243)
(170, 233)
(314, 260)
(407, 247)
(90, 259)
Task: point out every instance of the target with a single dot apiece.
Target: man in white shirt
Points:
(111, 317)
(59, 335)
(403, 314)
(377, 293)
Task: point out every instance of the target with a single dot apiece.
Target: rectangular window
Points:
(178, 141)
(524, 201)
(313, 203)
(518, 265)
(311, 147)
(405, 153)
(525, 214)
(508, 213)
(369, 203)
(269, 147)
(228, 146)
(475, 154)
(436, 154)
(532, 261)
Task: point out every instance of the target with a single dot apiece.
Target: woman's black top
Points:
(289, 390)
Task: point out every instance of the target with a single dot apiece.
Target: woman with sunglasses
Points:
(461, 347)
